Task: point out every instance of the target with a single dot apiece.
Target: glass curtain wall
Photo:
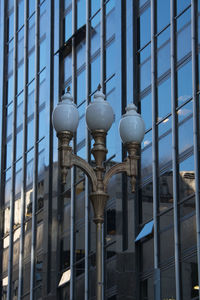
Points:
(25, 151)
(169, 188)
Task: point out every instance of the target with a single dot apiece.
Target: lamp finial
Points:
(99, 87)
(68, 89)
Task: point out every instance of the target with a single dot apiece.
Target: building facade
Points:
(146, 52)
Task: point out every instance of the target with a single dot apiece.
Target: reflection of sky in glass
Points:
(185, 82)
(163, 14)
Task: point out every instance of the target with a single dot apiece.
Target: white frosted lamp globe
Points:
(131, 126)
(65, 116)
(99, 113)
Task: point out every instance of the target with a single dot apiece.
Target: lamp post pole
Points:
(99, 118)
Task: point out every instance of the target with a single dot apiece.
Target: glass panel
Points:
(81, 18)
(31, 89)
(41, 158)
(11, 26)
(81, 130)
(95, 33)
(95, 73)
(145, 68)
(164, 99)
(6, 220)
(8, 153)
(18, 177)
(81, 86)
(10, 58)
(166, 190)
(110, 59)
(40, 236)
(163, 14)
(19, 144)
(166, 249)
(146, 286)
(165, 150)
(147, 202)
(186, 178)
(9, 120)
(20, 45)
(181, 5)
(163, 52)
(68, 67)
(43, 54)
(16, 247)
(145, 27)
(10, 89)
(147, 255)
(187, 207)
(185, 135)
(7, 188)
(68, 24)
(188, 233)
(110, 19)
(30, 133)
(190, 288)
(31, 7)
(146, 110)
(184, 34)
(81, 55)
(31, 66)
(184, 83)
(95, 5)
(168, 284)
(146, 163)
(20, 13)
(26, 275)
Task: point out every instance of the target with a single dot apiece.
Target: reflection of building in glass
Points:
(143, 51)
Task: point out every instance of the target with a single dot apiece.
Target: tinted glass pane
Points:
(164, 99)
(145, 27)
(163, 14)
(184, 34)
(163, 52)
(184, 83)
(146, 110)
(186, 178)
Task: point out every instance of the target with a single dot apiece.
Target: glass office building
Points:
(146, 52)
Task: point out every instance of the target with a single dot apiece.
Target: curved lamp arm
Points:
(86, 168)
(116, 169)
(68, 160)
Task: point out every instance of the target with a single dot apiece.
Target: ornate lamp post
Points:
(99, 118)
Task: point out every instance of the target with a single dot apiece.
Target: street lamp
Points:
(99, 119)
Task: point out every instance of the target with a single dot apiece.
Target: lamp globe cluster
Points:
(99, 116)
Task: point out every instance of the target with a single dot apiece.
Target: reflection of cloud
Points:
(183, 98)
(166, 120)
(184, 111)
(147, 142)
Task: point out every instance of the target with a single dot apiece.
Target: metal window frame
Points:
(35, 163)
(12, 200)
(23, 194)
(195, 95)
(175, 165)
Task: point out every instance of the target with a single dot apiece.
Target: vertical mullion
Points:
(3, 75)
(102, 78)
(50, 71)
(12, 200)
(21, 253)
(155, 149)
(35, 166)
(102, 43)
(72, 225)
(194, 20)
(175, 147)
(87, 152)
